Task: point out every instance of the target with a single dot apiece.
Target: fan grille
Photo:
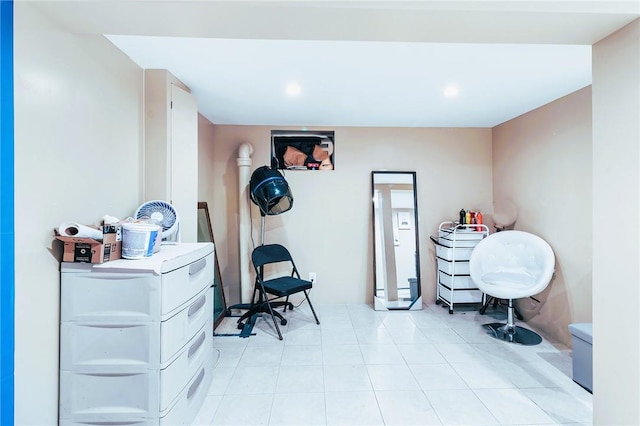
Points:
(160, 212)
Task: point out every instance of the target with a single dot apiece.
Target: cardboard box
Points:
(88, 250)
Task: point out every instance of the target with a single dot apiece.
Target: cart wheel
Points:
(240, 326)
(437, 301)
(450, 311)
(283, 322)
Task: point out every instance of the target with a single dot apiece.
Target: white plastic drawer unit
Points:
(453, 268)
(129, 397)
(141, 345)
(117, 389)
(460, 296)
(176, 332)
(181, 412)
(185, 366)
(136, 338)
(454, 246)
(139, 290)
(456, 281)
(189, 401)
(449, 253)
(460, 238)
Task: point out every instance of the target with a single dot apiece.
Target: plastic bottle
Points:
(462, 217)
(468, 217)
(479, 221)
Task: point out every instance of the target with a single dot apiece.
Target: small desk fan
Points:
(163, 214)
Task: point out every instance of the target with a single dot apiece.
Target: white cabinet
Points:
(135, 338)
(454, 246)
(171, 147)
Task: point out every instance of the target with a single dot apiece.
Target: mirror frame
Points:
(218, 290)
(380, 303)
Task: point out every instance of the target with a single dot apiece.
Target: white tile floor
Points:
(366, 367)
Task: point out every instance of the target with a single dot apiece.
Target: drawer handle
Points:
(197, 266)
(112, 277)
(115, 325)
(194, 387)
(112, 374)
(196, 345)
(197, 305)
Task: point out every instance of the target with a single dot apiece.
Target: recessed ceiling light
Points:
(293, 89)
(451, 91)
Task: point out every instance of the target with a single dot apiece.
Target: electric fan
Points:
(163, 214)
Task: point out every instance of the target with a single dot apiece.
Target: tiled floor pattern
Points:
(366, 367)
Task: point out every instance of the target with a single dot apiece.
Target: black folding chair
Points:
(277, 287)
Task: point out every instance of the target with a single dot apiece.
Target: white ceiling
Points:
(360, 63)
(348, 83)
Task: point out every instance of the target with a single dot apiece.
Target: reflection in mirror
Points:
(395, 234)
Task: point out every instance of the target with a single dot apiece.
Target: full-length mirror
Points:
(205, 235)
(395, 234)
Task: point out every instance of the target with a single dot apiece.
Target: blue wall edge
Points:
(7, 226)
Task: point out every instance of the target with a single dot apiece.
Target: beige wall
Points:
(206, 183)
(542, 162)
(78, 133)
(616, 228)
(329, 228)
(77, 155)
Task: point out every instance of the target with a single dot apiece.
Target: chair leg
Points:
(311, 306)
(256, 309)
(251, 310)
(261, 305)
(486, 304)
(273, 313)
(273, 316)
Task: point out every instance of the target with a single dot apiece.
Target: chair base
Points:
(262, 307)
(490, 300)
(513, 334)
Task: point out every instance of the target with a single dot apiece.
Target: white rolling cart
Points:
(453, 249)
(136, 338)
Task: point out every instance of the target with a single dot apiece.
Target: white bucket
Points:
(139, 239)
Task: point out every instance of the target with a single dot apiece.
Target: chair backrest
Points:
(270, 253)
(512, 264)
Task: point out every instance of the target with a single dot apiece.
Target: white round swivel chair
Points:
(511, 265)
